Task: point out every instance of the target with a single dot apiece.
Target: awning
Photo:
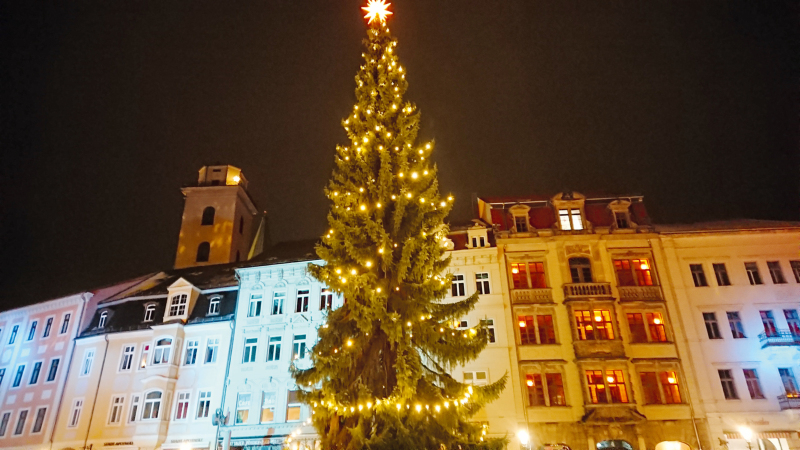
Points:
(763, 435)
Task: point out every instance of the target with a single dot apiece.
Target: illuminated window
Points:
(301, 305)
(325, 300)
(594, 325)
(38, 422)
(182, 410)
(633, 272)
(149, 312)
(669, 384)
(32, 332)
(752, 273)
(655, 325)
(204, 404)
(775, 272)
(545, 388)
(250, 347)
(162, 351)
(608, 387)
(255, 306)
(528, 275)
(152, 405)
(267, 407)
(527, 330)
(698, 275)
(277, 302)
(47, 327)
(115, 412)
(208, 216)
(177, 306)
(459, 286)
(203, 252)
(292, 407)
(668, 381)
(721, 274)
(570, 219)
(737, 328)
(144, 356)
(482, 283)
(535, 387)
(580, 269)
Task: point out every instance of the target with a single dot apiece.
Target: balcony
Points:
(779, 338)
(587, 290)
(599, 349)
(640, 293)
(543, 295)
(789, 401)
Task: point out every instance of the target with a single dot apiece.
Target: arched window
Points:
(581, 270)
(203, 251)
(208, 216)
(149, 312)
(152, 404)
(102, 322)
(162, 351)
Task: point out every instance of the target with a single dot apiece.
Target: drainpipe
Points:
(678, 351)
(232, 324)
(94, 402)
(86, 297)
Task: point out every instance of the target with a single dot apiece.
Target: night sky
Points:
(109, 107)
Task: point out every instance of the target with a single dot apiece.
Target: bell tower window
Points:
(208, 216)
(203, 251)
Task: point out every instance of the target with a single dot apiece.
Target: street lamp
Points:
(747, 434)
(523, 437)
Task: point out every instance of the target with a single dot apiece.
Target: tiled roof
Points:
(727, 225)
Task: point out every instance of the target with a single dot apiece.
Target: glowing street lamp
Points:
(747, 434)
(523, 437)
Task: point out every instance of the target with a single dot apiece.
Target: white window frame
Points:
(47, 331)
(289, 406)
(268, 401)
(178, 303)
(149, 313)
(459, 280)
(250, 350)
(13, 336)
(31, 382)
(274, 341)
(101, 322)
(32, 331)
(482, 284)
(254, 308)
(489, 322)
(325, 299)
(75, 411)
(243, 401)
(162, 352)
(50, 368)
(153, 402)
(213, 306)
(299, 346)
(134, 408)
(279, 296)
(123, 358)
(18, 425)
(144, 357)
(8, 423)
(570, 219)
(18, 374)
(33, 432)
(192, 347)
(212, 347)
(182, 398)
(473, 377)
(65, 322)
(116, 410)
(87, 362)
(203, 405)
(303, 297)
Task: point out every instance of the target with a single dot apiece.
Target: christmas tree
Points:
(379, 376)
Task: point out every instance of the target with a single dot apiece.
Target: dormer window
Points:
(149, 312)
(102, 322)
(570, 219)
(521, 224)
(177, 306)
(622, 214)
(621, 220)
(478, 242)
(213, 307)
(477, 236)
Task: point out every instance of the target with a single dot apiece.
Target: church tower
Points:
(219, 220)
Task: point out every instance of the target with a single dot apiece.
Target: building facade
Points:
(737, 286)
(597, 360)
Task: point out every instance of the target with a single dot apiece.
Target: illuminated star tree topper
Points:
(377, 10)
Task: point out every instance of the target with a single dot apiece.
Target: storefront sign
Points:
(117, 444)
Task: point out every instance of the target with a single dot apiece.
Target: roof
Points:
(727, 225)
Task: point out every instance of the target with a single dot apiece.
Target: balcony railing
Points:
(640, 293)
(543, 295)
(778, 338)
(789, 401)
(585, 290)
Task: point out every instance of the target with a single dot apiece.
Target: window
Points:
(737, 328)
(581, 270)
(127, 358)
(787, 377)
(277, 302)
(636, 325)
(204, 404)
(299, 347)
(23, 417)
(795, 270)
(655, 324)
(325, 300)
(191, 352)
(134, 411)
(38, 422)
(462, 324)
(2, 375)
(621, 219)
(547, 393)
(793, 321)
(162, 350)
(250, 347)
(267, 407)
(476, 378)
(242, 408)
(594, 325)
(255, 306)
(4, 423)
(712, 328)
(203, 252)
(48, 325)
(570, 219)
(88, 359)
(528, 275)
(292, 407)
(145, 355)
(177, 306)
(654, 330)
(478, 242)
(149, 313)
(75, 413)
(721, 273)
(51, 374)
(669, 387)
(535, 389)
(769, 323)
(32, 332)
(182, 410)
(521, 224)
(65, 323)
(752, 273)
(753, 385)
(208, 216)
(650, 388)
(633, 272)
(212, 348)
(274, 349)
(115, 414)
(775, 272)
(698, 275)
(18, 375)
(152, 404)
(37, 368)
(606, 389)
(459, 286)
(669, 384)
(213, 307)
(301, 305)
(482, 283)
(102, 322)
(489, 324)
(728, 387)
(13, 337)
